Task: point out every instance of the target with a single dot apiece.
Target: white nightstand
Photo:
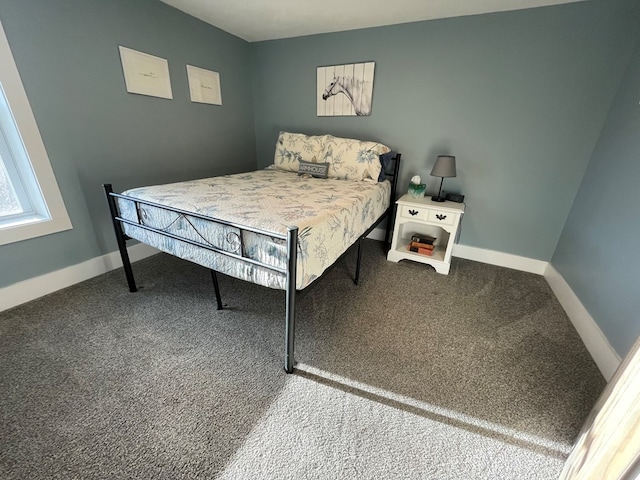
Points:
(424, 216)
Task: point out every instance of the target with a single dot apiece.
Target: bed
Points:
(282, 227)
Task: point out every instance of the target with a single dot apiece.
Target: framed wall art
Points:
(145, 74)
(345, 90)
(204, 85)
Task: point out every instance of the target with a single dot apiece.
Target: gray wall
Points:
(598, 251)
(519, 97)
(96, 132)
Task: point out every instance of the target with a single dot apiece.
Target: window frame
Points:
(36, 224)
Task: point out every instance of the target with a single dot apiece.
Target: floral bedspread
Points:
(330, 215)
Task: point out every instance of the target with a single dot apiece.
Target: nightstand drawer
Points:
(442, 217)
(413, 212)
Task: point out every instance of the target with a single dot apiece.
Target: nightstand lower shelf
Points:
(403, 248)
(436, 260)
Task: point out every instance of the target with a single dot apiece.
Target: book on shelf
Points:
(421, 238)
(428, 246)
(420, 250)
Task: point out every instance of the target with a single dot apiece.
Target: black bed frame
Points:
(291, 239)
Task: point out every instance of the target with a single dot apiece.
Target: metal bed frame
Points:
(291, 239)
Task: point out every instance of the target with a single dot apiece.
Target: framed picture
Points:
(145, 74)
(345, 90)
(204, 85)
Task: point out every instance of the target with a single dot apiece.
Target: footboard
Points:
(237, 251)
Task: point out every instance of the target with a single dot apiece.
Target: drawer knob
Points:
(440, 216)
(413, 212)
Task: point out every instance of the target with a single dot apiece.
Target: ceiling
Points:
(257, 20)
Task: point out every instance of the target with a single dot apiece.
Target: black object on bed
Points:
(240, 255)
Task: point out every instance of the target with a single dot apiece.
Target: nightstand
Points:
(426, 217)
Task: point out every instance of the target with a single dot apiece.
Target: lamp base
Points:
(436, 198)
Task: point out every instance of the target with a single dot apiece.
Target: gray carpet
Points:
(411, 375)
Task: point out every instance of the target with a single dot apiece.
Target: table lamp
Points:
(445, 166)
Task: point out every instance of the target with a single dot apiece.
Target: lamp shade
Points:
(445, 166)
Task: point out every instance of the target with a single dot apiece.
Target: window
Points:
(21, 200)
(30, 201)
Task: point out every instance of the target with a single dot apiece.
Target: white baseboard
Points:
(492, 257)
(597, 344)
(377, 234)
(500, 259)
(37, 287)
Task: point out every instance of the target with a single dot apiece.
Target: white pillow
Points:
(351, 159)
(293, 147)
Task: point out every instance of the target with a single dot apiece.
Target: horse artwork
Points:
(357, 91)
(345, 90)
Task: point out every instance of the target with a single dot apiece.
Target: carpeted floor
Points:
(410, 375)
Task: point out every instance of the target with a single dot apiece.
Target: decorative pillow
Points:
(291, 148)
(353, 159)
(317, 170)
(385, 161)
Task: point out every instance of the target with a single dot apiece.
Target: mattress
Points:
(330, 215)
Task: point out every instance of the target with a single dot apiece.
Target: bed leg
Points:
(216, 287)
(290, 320)
(122, 243)
(387, 233)
(357, 278)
